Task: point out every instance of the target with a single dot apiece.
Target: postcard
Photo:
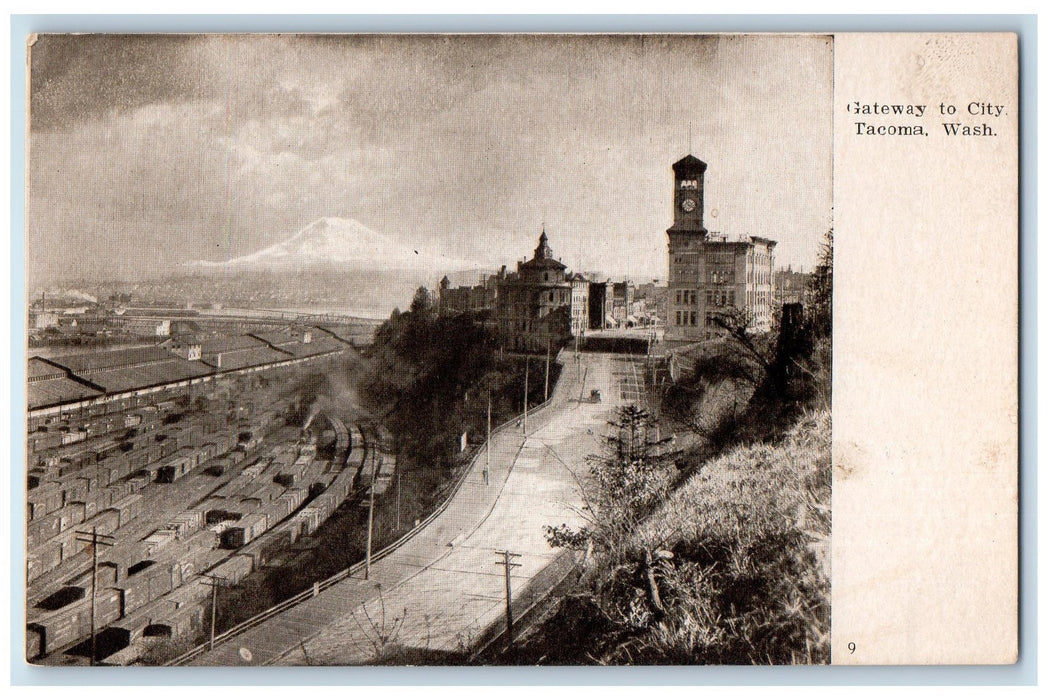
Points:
(521, 349)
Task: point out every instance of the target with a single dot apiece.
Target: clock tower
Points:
(687, 265)
(688, 175)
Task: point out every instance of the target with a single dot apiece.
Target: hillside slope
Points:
(744, 576)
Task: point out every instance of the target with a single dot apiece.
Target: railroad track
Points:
(320, 587)
(165, 502)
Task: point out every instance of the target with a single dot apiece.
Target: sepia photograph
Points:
(429, 350)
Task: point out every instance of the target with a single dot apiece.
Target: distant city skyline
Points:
(148, 152)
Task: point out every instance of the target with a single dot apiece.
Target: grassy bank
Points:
(725, 558)
(742, 569)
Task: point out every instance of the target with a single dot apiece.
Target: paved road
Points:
(442, 588)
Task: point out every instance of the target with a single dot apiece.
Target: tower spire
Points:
(543, 250)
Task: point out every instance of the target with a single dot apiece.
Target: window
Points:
(678, 297)
(678, 317)
(550, 295)
(693, 318)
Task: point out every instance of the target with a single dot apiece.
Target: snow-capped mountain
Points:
(335, 242)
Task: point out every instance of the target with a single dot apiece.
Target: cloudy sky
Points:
(146, 152)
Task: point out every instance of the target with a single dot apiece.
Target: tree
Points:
(820, 290)
(749, 346)
(422, 307)
(724, 376)
(631, 476)
(414, 340)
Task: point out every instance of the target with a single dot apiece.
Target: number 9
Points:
(851, 647)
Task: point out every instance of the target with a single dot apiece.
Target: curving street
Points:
(442, 589)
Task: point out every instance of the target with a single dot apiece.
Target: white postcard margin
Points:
(925, 387)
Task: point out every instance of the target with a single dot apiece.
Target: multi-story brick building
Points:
(579, 304)
(790, 286)
(601, 305)
(710, 275)
(625, 294)
(541, 303)
(474, 299)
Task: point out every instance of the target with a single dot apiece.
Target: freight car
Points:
(129, 508)
(173, 470)
(43, 528)
(105, 577)
(42, 559)
(136, 624)
(53, 631)
(105, 522)
(234, 569)
(310, 519)
(244, 530)
(45, 499)
(158, 540)
(146, 581)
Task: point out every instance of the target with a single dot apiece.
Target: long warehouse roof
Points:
(76, 377)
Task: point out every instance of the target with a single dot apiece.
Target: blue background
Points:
(1023, 673)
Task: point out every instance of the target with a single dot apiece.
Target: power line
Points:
(95, 540)
(508, 565)
(214, 581)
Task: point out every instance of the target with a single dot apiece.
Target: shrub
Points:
(748, 581)
(738, 557)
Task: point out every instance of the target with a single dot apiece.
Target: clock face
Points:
(688, 205)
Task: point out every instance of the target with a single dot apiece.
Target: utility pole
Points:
(527, 369)
(545, 391)
(371, 516)
(654, 388)
(398, 501)
(487, 446)
(396, 453)
(95, 540)
(214, 581)
(508, 565)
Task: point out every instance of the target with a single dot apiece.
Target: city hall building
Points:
(710, 275)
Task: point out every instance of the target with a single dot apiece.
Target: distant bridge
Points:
(329, 319)
(310, 319)
(360, 326)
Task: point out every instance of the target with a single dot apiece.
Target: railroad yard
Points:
(152, 478)
(160, 476)
(439, 595)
